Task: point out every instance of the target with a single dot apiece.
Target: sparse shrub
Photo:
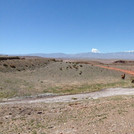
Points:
(81, 65)
(54, 60)
(34, 132)
(12, 66)
(80, 72)
(70, 67)
(5, 65)
(61, 68)
(76, 68)
(74, 98)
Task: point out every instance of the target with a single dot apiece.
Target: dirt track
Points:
(76, 97)
(117, 69)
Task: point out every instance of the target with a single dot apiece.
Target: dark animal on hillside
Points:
(123, 76)
(132, 81)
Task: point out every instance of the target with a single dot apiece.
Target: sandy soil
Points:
(111, 115)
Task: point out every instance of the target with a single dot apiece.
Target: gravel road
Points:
(76, 97)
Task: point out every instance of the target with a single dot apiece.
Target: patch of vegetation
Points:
(34, 132)
(7, 94)
(117, 98)
(74, 98)
(86, 88)
(5, 65)
(61, 68)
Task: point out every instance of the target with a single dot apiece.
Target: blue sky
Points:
(68, 26)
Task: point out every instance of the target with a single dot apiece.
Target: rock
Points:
(39, 113)
(29, 113)
(50, 127)
(12, 66)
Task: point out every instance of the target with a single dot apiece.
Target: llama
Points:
(123, 76)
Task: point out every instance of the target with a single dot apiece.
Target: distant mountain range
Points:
(89, 55)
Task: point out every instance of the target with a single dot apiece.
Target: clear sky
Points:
(68, 26)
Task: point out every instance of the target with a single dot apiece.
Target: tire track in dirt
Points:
(76, 97)
(117, 69)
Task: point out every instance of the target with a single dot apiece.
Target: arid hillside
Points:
(11, 64)
(28, 76)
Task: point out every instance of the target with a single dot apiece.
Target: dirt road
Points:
(117, 69)
(76, 97)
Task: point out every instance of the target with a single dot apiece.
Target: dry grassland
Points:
(112, 115)
(38, 76)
